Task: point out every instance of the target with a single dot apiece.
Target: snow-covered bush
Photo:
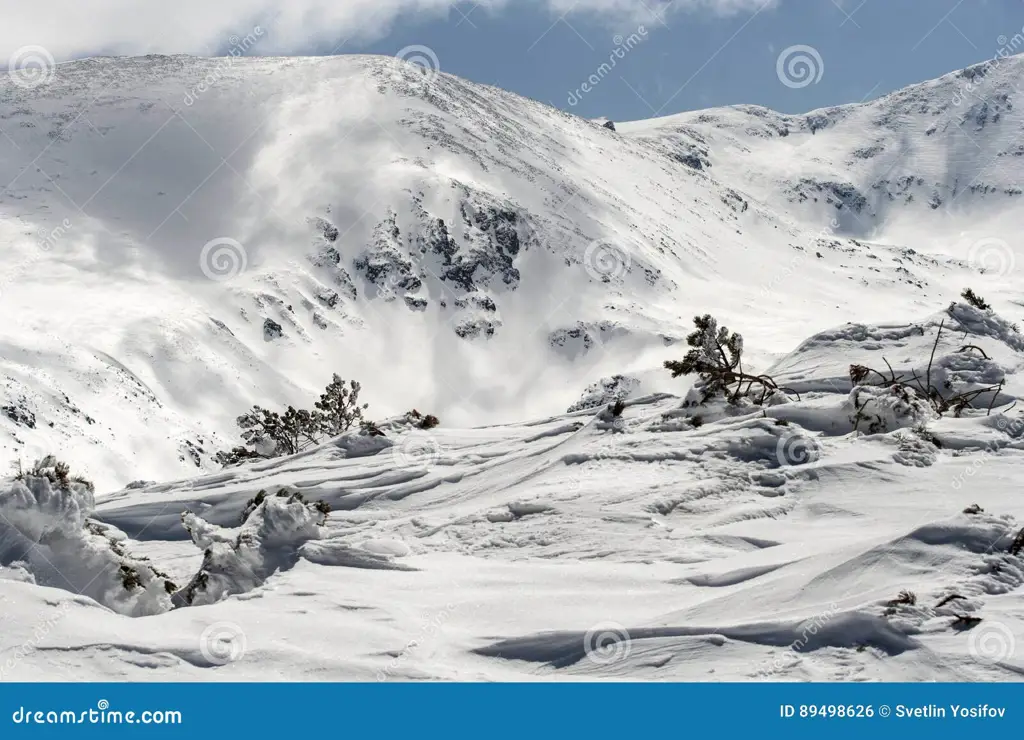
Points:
(716, 358)
(606, 391)
(238, 560)
(958, 381)
(395, 425)
(285, 434)
(339, 408)
(57, 472)
(45, 528)
(47, 537)
(975, 300)
(884, 409)
(986, 323)
(422, 421)
(1017, 546)
(364, 443)
(236, 456)
(268, 433)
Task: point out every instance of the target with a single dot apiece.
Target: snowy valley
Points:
(183, 237)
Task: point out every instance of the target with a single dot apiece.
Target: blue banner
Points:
(485, 711)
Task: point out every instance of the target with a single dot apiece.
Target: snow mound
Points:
(606, 391)
(47, 537)
(362, 445)
(844, 630)
(239, 560)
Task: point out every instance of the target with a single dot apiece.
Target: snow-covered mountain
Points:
(213, 233)
(182, 238)
(946, 150)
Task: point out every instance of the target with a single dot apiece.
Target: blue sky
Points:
(702, 53)
(700, 59)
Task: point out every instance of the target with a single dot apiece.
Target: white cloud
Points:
(69, 28)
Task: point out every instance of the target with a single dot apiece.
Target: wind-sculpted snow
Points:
(562, 650)
(848, 531)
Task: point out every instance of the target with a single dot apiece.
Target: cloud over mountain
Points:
(67, 28)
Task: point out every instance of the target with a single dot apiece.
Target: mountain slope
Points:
(944, 152)
(213, 233)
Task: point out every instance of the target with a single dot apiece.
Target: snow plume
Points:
(239, 560)
(194, 26)
(46, 532)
